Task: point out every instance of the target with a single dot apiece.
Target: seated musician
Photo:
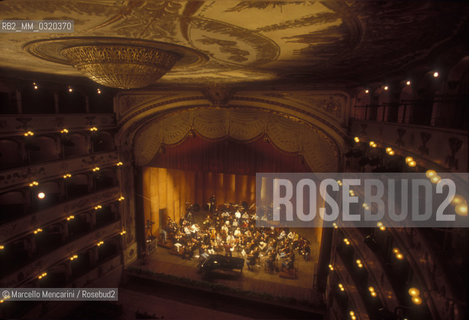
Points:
(207, 221)
(188, 252)
(271, 261)
(195, 228)
(211, 250)
(252, 258)
(281, 235)
(224, 229)
(262, 245)
(228, 248)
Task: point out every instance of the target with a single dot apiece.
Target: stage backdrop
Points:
(197, 168)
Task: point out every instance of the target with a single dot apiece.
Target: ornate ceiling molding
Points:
(334, 42)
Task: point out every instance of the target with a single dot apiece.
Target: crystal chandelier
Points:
(123, 63)
(120, 66)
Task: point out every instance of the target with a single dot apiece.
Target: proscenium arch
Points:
(287, 133)
(138, 115)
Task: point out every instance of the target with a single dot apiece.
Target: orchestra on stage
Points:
(230, 229)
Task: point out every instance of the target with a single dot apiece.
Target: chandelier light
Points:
(122, 63)
(120, 66)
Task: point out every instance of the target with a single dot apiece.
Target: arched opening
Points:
(14, 255)
(384, 104)
(105, 178)
(81, 265)
(41, 149)
(406, 107)
(78, 225)
(78, 185)
(10, 154)
(56, 276)
(50, 238)
(102, 141)
(74, 145)
(8, 104)
(362, 104)
(12, 205)
(108, 250)
(104, 216)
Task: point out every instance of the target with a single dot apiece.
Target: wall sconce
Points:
(381, 226)
(34, 184)
(398, 254)
(359, 263)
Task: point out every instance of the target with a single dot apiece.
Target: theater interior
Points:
(129, 147)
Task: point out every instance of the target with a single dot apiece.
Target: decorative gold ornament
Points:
(117, 62)
(118, 66)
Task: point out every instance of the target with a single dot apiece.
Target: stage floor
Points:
(258, 280)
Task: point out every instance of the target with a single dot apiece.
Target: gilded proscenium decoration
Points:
(119, 66)
(239, 124)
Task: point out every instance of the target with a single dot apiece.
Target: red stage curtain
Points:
(228, 156)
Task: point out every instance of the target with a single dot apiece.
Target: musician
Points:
(228, 248)
(212, 203)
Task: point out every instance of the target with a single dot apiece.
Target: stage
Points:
(258, 281)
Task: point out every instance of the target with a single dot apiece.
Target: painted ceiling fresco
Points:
(339, 41)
